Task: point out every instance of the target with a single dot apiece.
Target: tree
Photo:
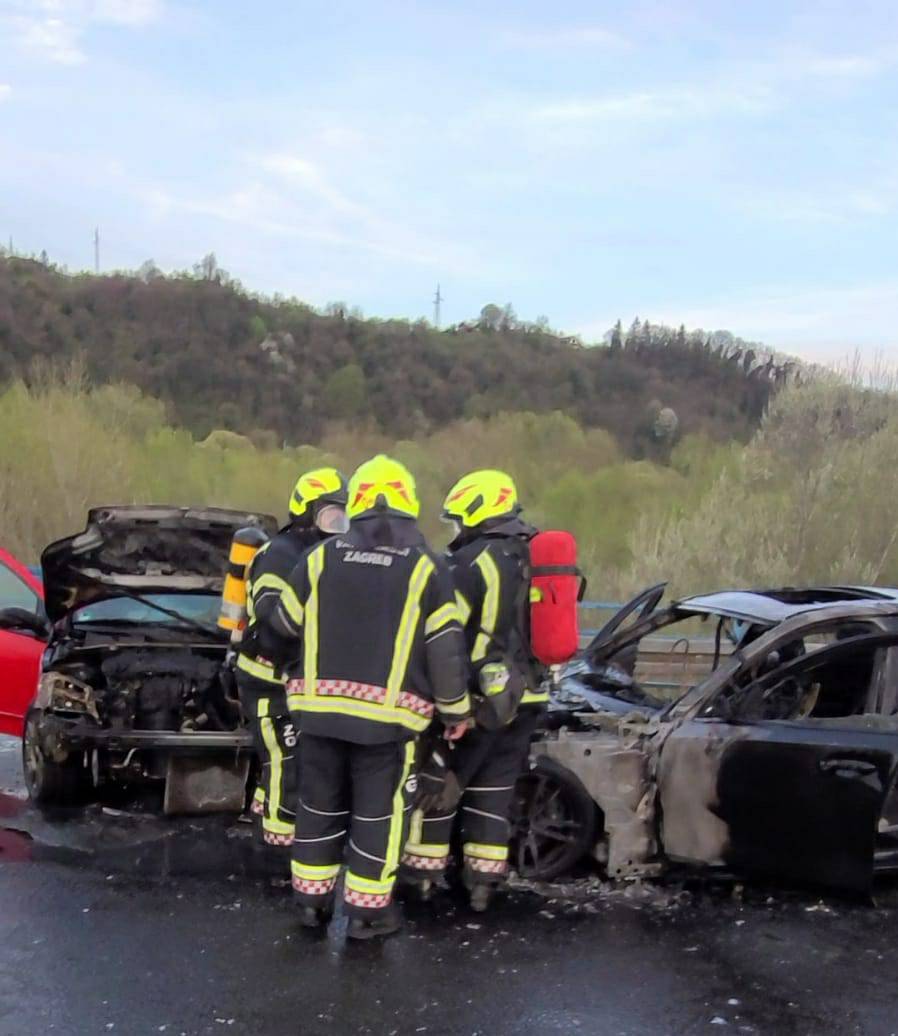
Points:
(148, 271)
(345, 392)
(491, 317)
(509, 317)
(257, 328)
(616, 341)
(207, 268)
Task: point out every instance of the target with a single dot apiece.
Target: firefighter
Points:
(489, 558)
(317, 510)
(379, 651)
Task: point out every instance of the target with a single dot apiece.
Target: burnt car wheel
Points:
(553, 823)
(51, 782)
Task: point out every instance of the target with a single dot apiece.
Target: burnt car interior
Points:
(830, 675)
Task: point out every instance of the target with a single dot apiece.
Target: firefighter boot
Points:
(481, 895)
(379, 927)
(316, 917)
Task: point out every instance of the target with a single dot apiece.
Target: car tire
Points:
(50, 783)
(554, 821)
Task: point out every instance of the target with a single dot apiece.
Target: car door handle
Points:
(847, 767)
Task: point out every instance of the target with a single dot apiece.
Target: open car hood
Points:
(142, 549)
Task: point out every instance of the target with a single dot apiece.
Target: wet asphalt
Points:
(136, 926)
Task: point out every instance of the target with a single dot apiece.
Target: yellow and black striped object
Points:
(244, 547)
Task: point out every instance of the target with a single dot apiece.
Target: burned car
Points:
(779, 760)
(134, 699)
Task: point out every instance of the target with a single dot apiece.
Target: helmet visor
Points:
(455, 524)
(332, 519)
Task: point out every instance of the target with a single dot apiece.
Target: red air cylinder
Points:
(555, 589)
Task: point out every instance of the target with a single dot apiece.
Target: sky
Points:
(719, 164)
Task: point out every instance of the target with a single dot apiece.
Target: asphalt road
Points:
(115, 925)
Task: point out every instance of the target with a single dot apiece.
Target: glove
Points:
(438, 787)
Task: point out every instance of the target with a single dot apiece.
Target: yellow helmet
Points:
(383, 483)
(479, 496)
(326, 485)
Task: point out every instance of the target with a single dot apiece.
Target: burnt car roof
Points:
(771, 607)
(150, 548)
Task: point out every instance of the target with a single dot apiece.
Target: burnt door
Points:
(785, 799)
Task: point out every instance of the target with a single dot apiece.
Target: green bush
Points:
(811, 499)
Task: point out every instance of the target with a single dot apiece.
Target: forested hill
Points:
(278, 370)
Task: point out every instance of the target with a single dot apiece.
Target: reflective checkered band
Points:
(314, 887)
(363, 692)
(271, 838)
(425, 863)
(258, 807)
(367, 899)
(486, 866)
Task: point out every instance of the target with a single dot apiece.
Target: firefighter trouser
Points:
(264, 706)
(353, 800)
(487, 764)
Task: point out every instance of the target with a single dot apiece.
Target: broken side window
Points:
(834, 673)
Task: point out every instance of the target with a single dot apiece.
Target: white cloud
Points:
(318, 213)
(677, 102)
(5, 91)
(750, 89)
(50, 38)
(54, 30)
(312, 178)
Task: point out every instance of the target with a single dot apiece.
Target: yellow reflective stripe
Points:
(262, 707)
(314, 567)
(433, 852)
(464, 609)
(360, 710)
(534, 697)
(490, 610)
(535, 595)
(375, 888)
(416, 826)
(313, 871)
(276, 827)
(273, 799)
(442, 617)
(259, 794)
(397, 821)
(405, 634)
(257, 669)
(270, 582)
(291, 606)
(485, 852)
(455, 708)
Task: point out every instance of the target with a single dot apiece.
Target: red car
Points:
(20, 650)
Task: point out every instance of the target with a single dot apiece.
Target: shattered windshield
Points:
(194, 608)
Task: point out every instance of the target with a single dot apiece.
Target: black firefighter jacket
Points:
(381, 648)
(268, 576)
(490, 573)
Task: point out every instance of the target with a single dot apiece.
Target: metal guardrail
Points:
(597, 606)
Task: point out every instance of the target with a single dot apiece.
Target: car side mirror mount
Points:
(21, 620)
